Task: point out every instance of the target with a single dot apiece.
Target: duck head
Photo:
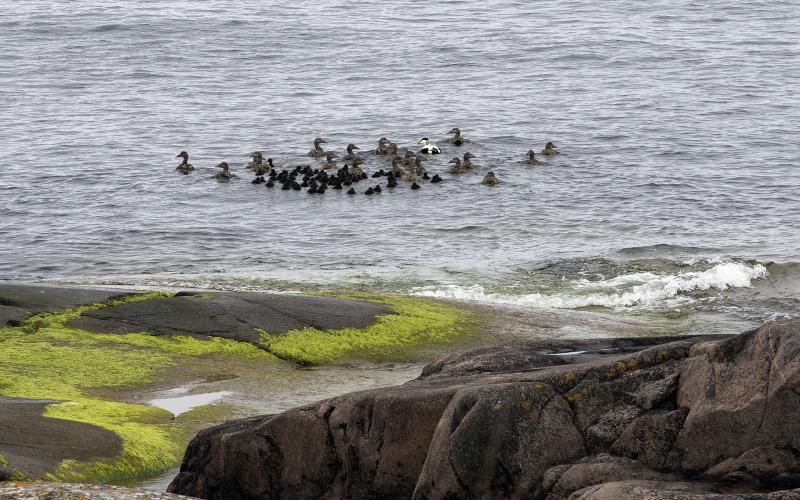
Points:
(184, 155)
(456, 131)
(468, 156)
(357, 162)
(331, 155)
(318, 141)
(531, 154)
(550, 145)
(351, 147)
(425, 141)
(409, 154)
(456, 161)
(223, 166)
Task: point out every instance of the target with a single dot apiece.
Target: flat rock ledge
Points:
(68, 491)
(696, 417)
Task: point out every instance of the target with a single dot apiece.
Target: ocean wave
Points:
(645, 290)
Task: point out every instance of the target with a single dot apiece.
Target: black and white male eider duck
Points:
(185, 167)
(489, 179)
(467, 162)
(225, 174)
(350, 154)
(329, 163)
(318, 152)
(456, 140)
(458, 167)
(550, 149)
(531, 159)
(429, 147)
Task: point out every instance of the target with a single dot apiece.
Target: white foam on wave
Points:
(643, 289)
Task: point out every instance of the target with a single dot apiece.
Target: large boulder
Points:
(696, 417)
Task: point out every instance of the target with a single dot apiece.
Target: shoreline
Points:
(91, 353)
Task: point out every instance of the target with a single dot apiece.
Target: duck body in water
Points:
(467, 161)
(458, 167)
(330, 163)
(223, 175)
(256, 161)
(489, 179)
(429, 147)
(350, 156)
(185, 167)
(531, 159)
(318, 152)
(456, 140)
(550, 149)
(383, 146)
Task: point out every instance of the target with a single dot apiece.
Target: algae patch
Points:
(44, 358)
(416, 322)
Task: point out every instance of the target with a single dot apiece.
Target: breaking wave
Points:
(646, 290)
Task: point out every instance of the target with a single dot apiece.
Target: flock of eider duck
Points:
(407, 167)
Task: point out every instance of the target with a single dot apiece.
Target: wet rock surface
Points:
(17, 302)
(691, 417)
(230, 315)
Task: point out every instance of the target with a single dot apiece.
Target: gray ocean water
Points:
(676, 192)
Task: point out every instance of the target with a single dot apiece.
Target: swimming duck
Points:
(456, 140)
(436, 179)
(489, 179)
(329, 163)
(410, 176)
(355, 169)
(318, 152)
(428, 147)
(458, 167)
(391, 149)
(531, 159)
(550, 149)
(392, 182)
(185, 167)
(256, 161)
(351, 191)
(350, 154)
(383, 146)
(225, 174)
(415, 186)
(467, 163)
(397, 170)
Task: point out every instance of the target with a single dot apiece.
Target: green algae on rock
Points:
(415, 323)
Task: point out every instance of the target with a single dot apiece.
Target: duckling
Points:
(377, 189)
(392, 182)
(270, 183)
(351, 191)
(383, 146)
(350, 154)
(429, 147)
(456, 140)
(550, 149)
(379, 173)
(489, 179)
(258, 180)
(369, 191)
(225, 174)
(318, 152)
(415, 186)
(458, 167)
(436, 179)
(185, 167)
(531, 159)
(330, 163)
(467, 163)
(256, 161)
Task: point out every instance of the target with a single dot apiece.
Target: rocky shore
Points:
(661, 418)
